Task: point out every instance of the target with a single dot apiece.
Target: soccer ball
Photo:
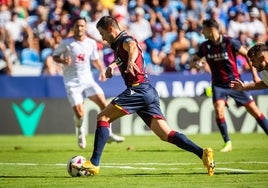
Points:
(74, 166)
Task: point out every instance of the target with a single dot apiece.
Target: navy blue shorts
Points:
(241, 97)
(142, 99)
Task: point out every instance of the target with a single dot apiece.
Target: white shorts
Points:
(77, 94)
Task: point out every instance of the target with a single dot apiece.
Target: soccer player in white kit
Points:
(258, 54)
(76, 53)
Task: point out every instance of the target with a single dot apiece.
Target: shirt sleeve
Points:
(235, 43)
(61, 49)
(95, 53)
(264, 75)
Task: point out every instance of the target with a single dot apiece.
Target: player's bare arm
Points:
(240, 86)
(237, 85)
(63, 60)
(99, 65)
(133, 51)
(110, 70)
(243, 51)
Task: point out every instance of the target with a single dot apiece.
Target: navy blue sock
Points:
(223, 129)
(183, 142)
(263, 122)
(101, 137)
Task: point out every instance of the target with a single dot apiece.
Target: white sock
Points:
(78, 122)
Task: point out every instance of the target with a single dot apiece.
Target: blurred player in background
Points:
(76, 54)
(139, 97)
(258, 55)
(220, 53)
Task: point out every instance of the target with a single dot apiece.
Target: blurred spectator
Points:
(62, 27)
(149, 13)
(120, 13)
(9, 45)
(181, 14)
(42, 24)
(237, 6)
(215, 14)
(140, 24)
(85, 10)
(223, 7)
(255, 26)
(5, 14)
(194, 11)
(237, 24)
(244, 39)
(5, 66)
(98, 10)
(20, 32)
(73, 7)
(154, 46)
(39, 27)
(99, 7)
(21, 7)
(260, 5)
(195, 35)
(177, 59)
(257, 38)
(165, 15)
(92, 31)
(56, 8)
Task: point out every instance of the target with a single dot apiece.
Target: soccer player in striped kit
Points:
(138, 97)
(220, 53)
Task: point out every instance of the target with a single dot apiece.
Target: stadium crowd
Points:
(169, 31)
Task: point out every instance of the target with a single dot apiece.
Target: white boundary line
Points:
(146, 166)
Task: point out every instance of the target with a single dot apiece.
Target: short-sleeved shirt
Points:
(140, 96)
(221, 59)
(121, 58)
(81, 52)
(264, 75)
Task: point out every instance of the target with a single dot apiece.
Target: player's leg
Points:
(258, 115)
(105, 117)
(219, 107)
(76, 100)
(244, 98)
(219, 101)
(79, 119)
(100, 100)
(162, 130)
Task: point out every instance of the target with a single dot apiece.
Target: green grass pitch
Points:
(40, 161)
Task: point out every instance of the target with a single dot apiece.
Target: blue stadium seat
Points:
(30, 57)
(45, 52)
(32, 20)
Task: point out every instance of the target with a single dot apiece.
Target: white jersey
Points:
(82, 53)
(264, 75)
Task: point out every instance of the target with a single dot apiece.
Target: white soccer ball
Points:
(74, 166)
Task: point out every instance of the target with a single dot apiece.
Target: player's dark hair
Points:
(210, 23)
(79, 18)
(256, 49)
(107, 21)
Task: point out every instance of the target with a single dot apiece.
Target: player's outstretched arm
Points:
(237, 85)
(110, 70)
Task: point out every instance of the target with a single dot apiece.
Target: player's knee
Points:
(102, 117)
(79, 112)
